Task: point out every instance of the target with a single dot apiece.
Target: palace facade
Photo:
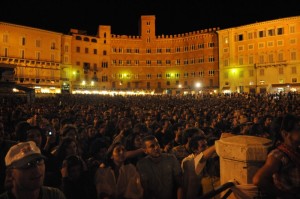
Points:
(259, 57)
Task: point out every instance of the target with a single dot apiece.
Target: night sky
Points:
(172, 16)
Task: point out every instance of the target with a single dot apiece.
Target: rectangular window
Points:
(294, 80)
(292, 29)
(52, 57)
(38, 55)
(5, 38)
(240, 37)
(261, 72)
(251, 73)
(211, 45)
(226, 62)
(38, 43)
(23, 41)
(279, 43)
(271, 58)
(52, 45)
(270, 43)
(261, 45)
(280, 71)
(280, 31)
(86, 50)
(95, 51)
(250, 59)
(201, 45)
(148, 62)
(250, 46)
(250, 35)
(261, 33)
(241, 60)
(78, 49)
(22, 54)
(211, 58)
(293, 56)
(211, 73)
(294, 70)
(241, 48)
(271, 32)
(280, 56)
(261, 59)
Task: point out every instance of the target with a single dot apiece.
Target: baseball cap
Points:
(19, 155)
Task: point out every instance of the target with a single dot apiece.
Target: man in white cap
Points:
(25, 174)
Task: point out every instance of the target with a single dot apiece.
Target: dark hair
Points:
(287, 123)
(193, 144)
(74, 160)
(189, 133)
(148, 138)
(21, 130)
(109, 161)
(129, 141)
(96, 145)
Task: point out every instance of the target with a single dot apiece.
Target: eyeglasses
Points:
(31, 164)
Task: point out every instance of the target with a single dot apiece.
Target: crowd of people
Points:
(152, 146)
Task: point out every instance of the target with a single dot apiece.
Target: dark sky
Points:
(172, 16)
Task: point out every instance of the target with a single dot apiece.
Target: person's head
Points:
(21, 129)
(34, 134)
(133, 141)
(290, 129)
(99, 149)
(151, 146)
(69, 131)
(67, 147)
(189, 133)
(198, 144)
(75, 167)
(116, 153)
(25, 166)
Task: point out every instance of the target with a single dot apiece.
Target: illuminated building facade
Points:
(260, 57)
(50, 61)
(32, 56)
(163, 64)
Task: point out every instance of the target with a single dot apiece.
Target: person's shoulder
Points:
(143, 160)
(52, 193)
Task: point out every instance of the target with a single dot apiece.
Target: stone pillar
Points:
(240, 157)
